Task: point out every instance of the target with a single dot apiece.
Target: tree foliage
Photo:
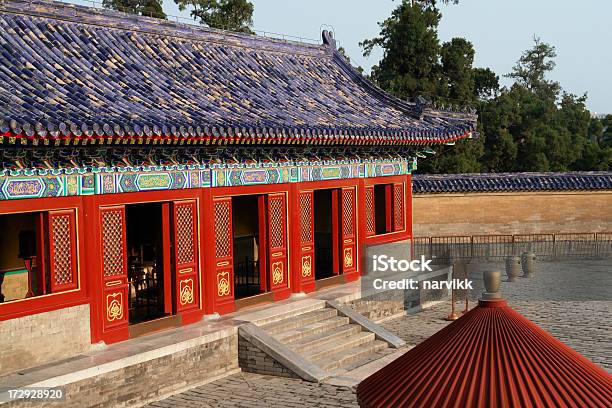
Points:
(149, 8)
(233, 15)
(532, 125)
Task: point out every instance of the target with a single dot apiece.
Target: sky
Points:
(500, 31)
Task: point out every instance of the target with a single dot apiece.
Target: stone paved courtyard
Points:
(572, 300)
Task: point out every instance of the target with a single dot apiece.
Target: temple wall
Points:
(511, 213)
(40, 338)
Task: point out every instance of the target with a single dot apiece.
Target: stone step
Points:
(315, 341)
(311, 329)
(273, 314)
(366, 360)
(346, 357)
(334, 346)
(299, 321)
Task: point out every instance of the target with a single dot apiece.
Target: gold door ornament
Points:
(348, 257)
(114, 306)
(223, 286)
(186, 291)
(306, 266)
(277, 273)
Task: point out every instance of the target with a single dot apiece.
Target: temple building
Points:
(153, 173)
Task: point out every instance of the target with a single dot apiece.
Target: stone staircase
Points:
(329, 339)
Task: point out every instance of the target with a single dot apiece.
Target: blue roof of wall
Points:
(464, 183)
(69, 71)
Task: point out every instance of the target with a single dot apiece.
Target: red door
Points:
(398, 207)
(62, 250)
(277, 240)
(370, 215)
(185, 239)
(307, 244)
(223, 251)
(348, 230)
(114, 268)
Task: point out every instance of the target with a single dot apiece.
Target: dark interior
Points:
(145, 261)
(323, 234)
(380, 208)
(245, 226)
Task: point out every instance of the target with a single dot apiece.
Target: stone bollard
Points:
(513, 267)
(492, 281)
(528, 264)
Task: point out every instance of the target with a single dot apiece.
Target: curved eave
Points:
(113, 138)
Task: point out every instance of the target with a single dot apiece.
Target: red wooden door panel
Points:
(307, 244)
(224, 260)
(348, 230)
(114, 267)
(62, 250)
(277, 240)
(185, 238)
(370, 214)
(399, 210)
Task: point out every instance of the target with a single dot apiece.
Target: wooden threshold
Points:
(152, 326)
(325, 282)
(253, 300)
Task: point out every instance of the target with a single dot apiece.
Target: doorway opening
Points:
(247, 229)
(324, 233)
(144, 237)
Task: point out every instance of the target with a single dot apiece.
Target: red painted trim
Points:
(388, 208)
(207, 251)
(336, 245)
(168, 283)
(40, 252)
(264, 284)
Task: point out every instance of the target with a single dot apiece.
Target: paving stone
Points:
(577, 314)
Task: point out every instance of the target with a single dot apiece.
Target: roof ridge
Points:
(112, 19)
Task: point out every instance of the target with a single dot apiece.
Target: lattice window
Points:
(348, 203)
(277, 217)
(398, 207)
(112, 242)
(62, 249)
(369, 208)
(222, 229)
(185, 233)
(306, 217)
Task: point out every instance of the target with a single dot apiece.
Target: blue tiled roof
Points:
(460, 183)
(71, 71)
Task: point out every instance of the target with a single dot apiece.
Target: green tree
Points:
(149, 8)
(233, 15)
(486, 84)
(457, 57)
(531, 69)
(410, 64)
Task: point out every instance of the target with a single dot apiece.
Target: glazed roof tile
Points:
(490, 357)
(70, 71)
(488, 182)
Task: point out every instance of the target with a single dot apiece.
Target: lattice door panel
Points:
(370, 214)
(223, 241)
(277, 240)
(63, 262)
(307, 235)
(399, 209)
(114, 267)
(185, 239)
(348, 228)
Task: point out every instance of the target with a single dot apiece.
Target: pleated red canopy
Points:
(490, 357)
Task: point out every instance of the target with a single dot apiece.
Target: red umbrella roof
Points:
(490, 357)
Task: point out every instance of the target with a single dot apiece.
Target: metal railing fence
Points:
(497, 247)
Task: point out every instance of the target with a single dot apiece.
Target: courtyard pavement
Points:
(572, 300)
